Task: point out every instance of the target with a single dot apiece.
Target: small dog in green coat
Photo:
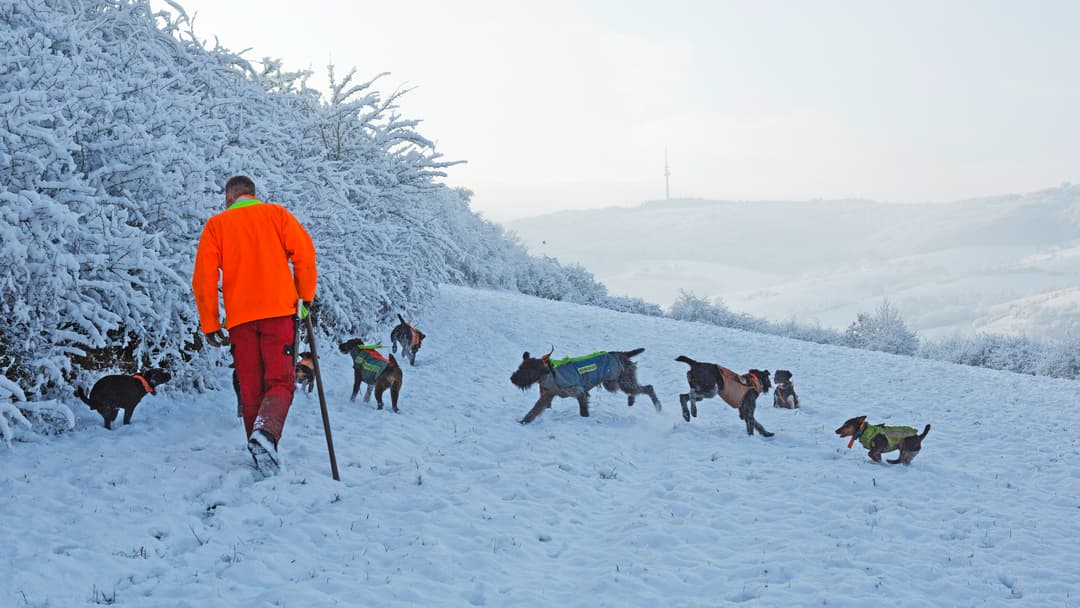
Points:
(376, 371)
(880, 439)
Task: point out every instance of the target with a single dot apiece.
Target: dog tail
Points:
(81, 395)
(634, 353)
(402, 319)
(392, 360)
(686, 360)
(924, 432)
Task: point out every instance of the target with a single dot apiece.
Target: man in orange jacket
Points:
(251, 245)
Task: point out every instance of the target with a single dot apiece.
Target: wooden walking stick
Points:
(322, 397)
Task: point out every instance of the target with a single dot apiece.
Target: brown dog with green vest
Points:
(879, 439)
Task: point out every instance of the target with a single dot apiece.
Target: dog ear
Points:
(525, 356)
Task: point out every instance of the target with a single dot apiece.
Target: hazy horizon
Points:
(1003, 264)
(683, 200)
(571, 105)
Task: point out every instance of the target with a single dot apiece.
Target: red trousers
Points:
(262, 352)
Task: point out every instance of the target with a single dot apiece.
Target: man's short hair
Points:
(238, 185)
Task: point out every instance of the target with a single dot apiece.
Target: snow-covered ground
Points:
(453, 503)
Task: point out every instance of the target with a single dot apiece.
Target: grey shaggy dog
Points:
(622, 376)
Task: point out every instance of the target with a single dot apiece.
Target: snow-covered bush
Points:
(884, 330)
(27, 420)
(120, 128)
(1059, 359)
(689, 307)
(636, 306)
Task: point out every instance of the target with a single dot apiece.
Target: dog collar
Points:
(145, 384)
(754, 380)
(855, 437)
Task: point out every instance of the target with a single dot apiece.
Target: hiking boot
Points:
(264, 452)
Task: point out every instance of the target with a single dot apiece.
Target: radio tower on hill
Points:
(667, 177)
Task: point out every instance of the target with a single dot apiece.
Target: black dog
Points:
(784, 394)
(575, 377)
(369, 367)
(408, 337)
(708, 380)
(122, 392)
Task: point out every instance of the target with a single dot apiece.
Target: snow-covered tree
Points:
(884, 330)
(690, 307)
(27, 420)
(120, 128)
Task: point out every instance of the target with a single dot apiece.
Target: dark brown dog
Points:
(708, 380)
(784, 394)
(370, 368)
(122, 392)
(879, 439)
(408, 337)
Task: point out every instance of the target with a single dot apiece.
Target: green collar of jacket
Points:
(565, 360)
(243, 202)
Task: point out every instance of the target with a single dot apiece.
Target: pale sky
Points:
(561, 104)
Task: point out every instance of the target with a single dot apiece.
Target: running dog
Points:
(118, 392)
(574, 377)
(784, 393)
(708, 380)
(371, 368)
(879, 439)
(408, 337)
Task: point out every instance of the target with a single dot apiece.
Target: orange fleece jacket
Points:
(251, 244)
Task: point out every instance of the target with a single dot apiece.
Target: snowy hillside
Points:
(453, 503)
(985, 265)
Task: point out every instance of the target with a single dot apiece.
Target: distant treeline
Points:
(885, 330)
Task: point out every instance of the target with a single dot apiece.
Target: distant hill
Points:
(1006, 263)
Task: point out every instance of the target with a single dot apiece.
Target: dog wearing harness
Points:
(575, 376)
(880, 439)
(370, 367)
(784, 392)
(118, 392)
(740, 391)
(408, 337)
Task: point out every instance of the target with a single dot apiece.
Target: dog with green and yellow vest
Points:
(576, 376)
(372, 368)
(880, 439)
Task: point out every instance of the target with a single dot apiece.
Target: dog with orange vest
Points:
(408, 337)
(740, 391)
